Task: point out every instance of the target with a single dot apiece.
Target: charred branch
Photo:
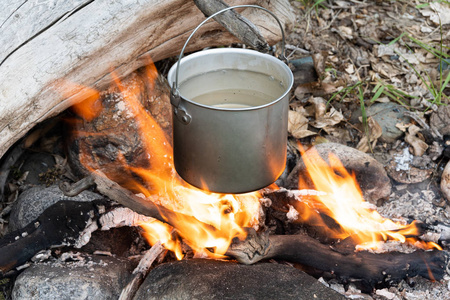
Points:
(60, 224)
(369, 268)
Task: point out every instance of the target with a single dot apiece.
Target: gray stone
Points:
(36, 164)
(212, 279)
(93, 278)
(387, 116)
(32, 202)
(370, 174)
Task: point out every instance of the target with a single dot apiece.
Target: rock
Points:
(36, 164)
(440, 120)
(387, 115)
(94, 277)
(212, 279)
(32, 202)
(370, 174)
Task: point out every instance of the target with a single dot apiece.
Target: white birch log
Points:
(45, 44)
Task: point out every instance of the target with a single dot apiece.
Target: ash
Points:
(418, 206)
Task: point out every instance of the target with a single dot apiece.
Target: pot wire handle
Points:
(175, 98)
(282, 57)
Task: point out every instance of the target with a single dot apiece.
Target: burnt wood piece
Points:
(236, 24)
(112, 140)
(60, 224)
(368, 268)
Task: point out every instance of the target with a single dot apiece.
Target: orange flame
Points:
(218, 218)
(208, 222)
(341, 199)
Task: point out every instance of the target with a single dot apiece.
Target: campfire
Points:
(214, 220)
(185, 219)
(119, 146)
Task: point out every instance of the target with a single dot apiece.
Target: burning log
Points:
(109, 134)
(369, 268)
(81, 43)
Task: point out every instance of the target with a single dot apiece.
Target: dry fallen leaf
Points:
(403, 127)
(445, 182)
(331, 118)
(416, 140)
(298, 125)
(375, 132)
(350, 69)
(386, 70)
(346, 32)
(440, 120)
(338, 135)
(439, 13)
(320, 106)
(413, 175)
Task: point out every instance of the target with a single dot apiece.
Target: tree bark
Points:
(43, 47)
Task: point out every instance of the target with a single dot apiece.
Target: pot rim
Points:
(173, 70)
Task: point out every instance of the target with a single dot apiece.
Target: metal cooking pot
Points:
(237, 146)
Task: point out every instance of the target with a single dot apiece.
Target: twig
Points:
(295, 49)
(141, 271)
(331, 22)
(71, 190)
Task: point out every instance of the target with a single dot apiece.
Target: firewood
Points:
(60, 224)
(112, 141)
(76, 188)
(140, 205)
(369, 268)
(141, 271)
(123, 196)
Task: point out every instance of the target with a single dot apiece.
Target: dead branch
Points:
(140, 205)
(71, 190)
(141, 271)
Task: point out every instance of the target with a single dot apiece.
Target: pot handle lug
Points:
(182, 115)
(282, 56)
